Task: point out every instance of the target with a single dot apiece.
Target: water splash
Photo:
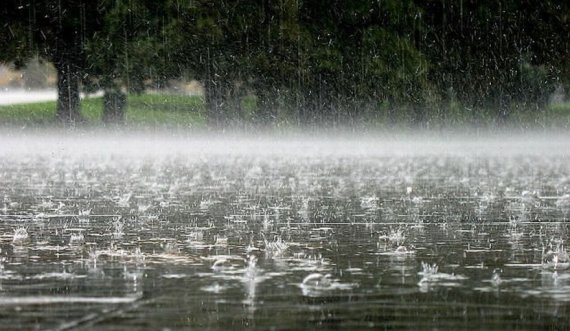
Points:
(275, 248)
(556, 258)
(20, 236)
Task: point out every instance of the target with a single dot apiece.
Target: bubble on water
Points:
(221, 241)
(133, 276)
(143, 207)
(418, 201)
(484, 203)
(195, 237)
(138, 255)
(267, 223)
(20, 235)
(531, 198)
(118, 228)
(556, 258)
(369, 202)
(170, 247)
(563, 201)
(61, 209)
(124, 200)
(496, 279)
(215, 288)
(85, 212)
(47, 204)
(304, 212)
(317, 281)
(206, 204)
(318, 284)
(222, 264)
(76, 239)
(431, 276)
(83, 216)
(395, 237)
(94, 255)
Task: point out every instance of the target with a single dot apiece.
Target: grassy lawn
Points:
(177, 111)
(558, 115)
(147, 110)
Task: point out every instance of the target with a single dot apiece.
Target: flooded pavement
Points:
(244, 234)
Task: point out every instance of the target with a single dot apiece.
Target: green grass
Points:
(166, 110)
(560, 109)
(40, 113)
(558, 115)
(143, 110)
(177, 111)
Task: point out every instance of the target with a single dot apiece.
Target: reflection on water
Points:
(260, 241)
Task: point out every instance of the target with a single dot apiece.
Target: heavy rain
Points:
(284, 165)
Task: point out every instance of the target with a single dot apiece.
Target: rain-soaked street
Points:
(234, 233)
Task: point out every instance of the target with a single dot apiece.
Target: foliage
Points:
(127, 52)
(309, 61)
(496, 53)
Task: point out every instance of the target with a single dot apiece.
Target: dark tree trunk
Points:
(68, 108)
(266, 108)
(308, 110)
(419, 119)
(114, 104)
(215, 94)
(502, 106)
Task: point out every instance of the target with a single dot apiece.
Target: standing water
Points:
(131, 233)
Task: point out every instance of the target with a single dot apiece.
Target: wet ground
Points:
(119, 234)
